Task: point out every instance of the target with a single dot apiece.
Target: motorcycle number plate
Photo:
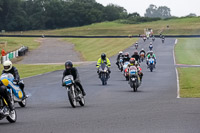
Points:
(68, 82)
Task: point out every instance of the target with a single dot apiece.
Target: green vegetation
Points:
(32, 70)
(92, 48)
(188, 51)
(14, 43)
(189, 82)
(177, 26)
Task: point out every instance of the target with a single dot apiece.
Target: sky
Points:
(178, 7)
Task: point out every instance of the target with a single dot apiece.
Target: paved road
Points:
(113, 108)
(51, 50)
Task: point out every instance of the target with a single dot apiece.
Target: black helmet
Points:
(68, 65)
(103, 56)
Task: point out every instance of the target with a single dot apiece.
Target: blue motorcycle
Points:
(17, 93)
(151, 64)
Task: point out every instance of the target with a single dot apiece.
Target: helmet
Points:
(142, 49)
(120, 52)
(7, 65)
(135, 52)
(103, 56)
(136, 42)
(151, 53)
(68, 65)
(132, 60)
(127, 54)
(150, 43)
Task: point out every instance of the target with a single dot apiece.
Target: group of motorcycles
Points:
(16, 96)
(131, 74)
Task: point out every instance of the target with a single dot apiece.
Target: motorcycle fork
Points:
(73, 91)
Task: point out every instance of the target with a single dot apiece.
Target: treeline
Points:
(20, 15)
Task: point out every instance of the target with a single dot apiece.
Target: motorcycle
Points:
(163, 40)
(150, 47)
(151, 64)
(104, 73)
(125, 68)
(142, 56)
(144, 39)
(134, 79)
(11, 116)
(136, 46)
(74, 93)
(18, 96)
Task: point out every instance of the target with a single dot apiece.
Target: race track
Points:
(113, 108)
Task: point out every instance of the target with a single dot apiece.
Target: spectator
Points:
(3, 52)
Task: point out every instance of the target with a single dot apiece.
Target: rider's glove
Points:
(15, 81)
(63, 84)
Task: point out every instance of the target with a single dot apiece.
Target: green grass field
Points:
(92, 48)
(189, 82)
(187, 51)
(14, 43)
(176, 27)
(31, 70)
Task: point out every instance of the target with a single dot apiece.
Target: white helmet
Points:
(120, 52)
(7, 65)
(136, 42)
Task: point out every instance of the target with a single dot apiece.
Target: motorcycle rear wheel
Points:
(22, 103)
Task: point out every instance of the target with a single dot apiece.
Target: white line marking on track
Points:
(177, 77)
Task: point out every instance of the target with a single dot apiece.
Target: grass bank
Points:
(189, 82)
(177, 26)
(92, 48)
(32, 70)
(187, 51)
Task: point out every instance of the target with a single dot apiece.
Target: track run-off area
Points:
(113, 108)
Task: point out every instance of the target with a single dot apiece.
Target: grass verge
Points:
(189, 82)
(32, 70)
(91, 48)
(14, 43)
(187, 51)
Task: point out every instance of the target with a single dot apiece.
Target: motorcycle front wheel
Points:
(72, 99)
(12, 118)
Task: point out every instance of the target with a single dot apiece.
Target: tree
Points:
(161, 12)
(164, 12)
(192, 15)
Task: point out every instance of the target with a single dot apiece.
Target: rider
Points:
(136, 45)
(150, 46)
(70, 70)
(136, 56)
(126, 57)
(118, 57)
(151, 55)
(103, 59)
(133, 62)
(9, 68)
(143, 51)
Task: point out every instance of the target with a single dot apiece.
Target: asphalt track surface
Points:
(51, 50)
(113, 108)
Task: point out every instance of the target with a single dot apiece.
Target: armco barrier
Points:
(20, 52)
